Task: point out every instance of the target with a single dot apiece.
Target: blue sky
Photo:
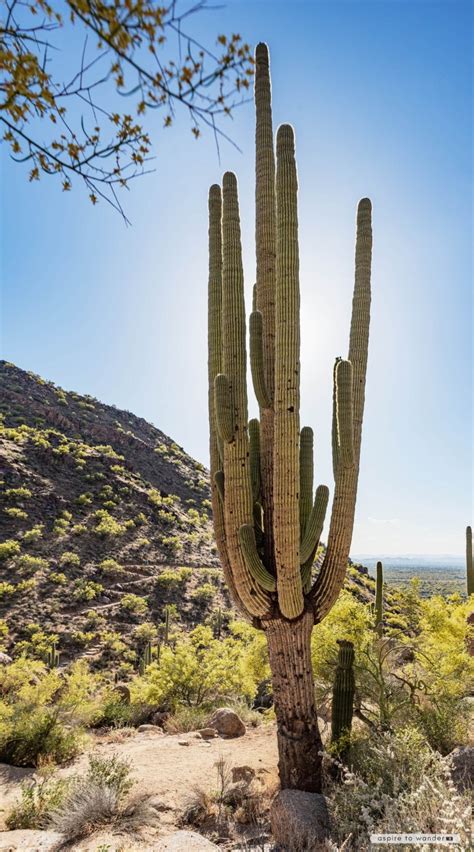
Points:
(379, 94)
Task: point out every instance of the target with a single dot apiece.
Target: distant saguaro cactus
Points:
(267, 520)
(469, 563)
(379, 599)
(343, 692)
(52, 657)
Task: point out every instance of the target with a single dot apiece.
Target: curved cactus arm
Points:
(344, 408)
(469, 563)
(254, 440)
(257, 360)
(286, 480)
(238, 501)
(225, 426)
(216, 452)
(252, 559)
(331, 577)
(315, 524)
(220, 480)
(306, 476)
(265, 288)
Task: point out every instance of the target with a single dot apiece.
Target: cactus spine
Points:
(469, 563)
(343, 692)
(268, 517)
(379, 600)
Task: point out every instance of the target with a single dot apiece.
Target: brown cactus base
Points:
(299, 740)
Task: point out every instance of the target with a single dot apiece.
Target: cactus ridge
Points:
(268, 521)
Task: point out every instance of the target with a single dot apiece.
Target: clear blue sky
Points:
(379, 94)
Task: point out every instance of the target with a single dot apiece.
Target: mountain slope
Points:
(83, 482)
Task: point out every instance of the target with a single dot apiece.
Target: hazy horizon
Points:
(380, 97)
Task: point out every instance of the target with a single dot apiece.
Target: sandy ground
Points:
(165, 766)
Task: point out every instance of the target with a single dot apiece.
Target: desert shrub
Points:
(33, 534)
(199, 670)
(134, 604)
(78, 529)
(43, 713)
(112, 642)
(396, 784)
(14, 512)
(86, 590)
(9, 548)
(172, 543)
(58, 577)
(106, 525)
(173, 579)
(15, 494)
(204, 594)
(140, 519)
(39, 799)
(146, 632)
(31, 563)
(4, 631)
(110, 566)
(85, 499)
(185, 719)
(70, 558)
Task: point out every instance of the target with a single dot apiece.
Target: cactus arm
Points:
(265, 288)
(238, 501)
(216, 452)
(286, 520)
(379, 600)
(306, 476)
(225, 426)
(469, 563)
(254, 439)
(334, 431)
(315, 524)
(257, 360)
(252, 559)
(344, 396)
(331, 577)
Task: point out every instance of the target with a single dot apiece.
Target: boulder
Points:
(299, 820)
(227, 723)
(150, 729)
(5, 660)
(461, 762)
(186, 841)
(27, 840)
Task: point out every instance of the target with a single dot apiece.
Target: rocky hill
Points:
(104, 521)
(104, 525)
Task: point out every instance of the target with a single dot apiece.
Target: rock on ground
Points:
(186, 841)
(27, 840)
(299, 820)
(461, 762)
(227, 723)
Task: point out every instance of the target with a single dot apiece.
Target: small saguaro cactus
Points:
(145, 659)
(469, 563)
(166, 631)
(379, 599)
(52, 657)
(268, 517)
(343, 692)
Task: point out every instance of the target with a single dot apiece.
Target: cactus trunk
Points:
(343, 695)
(268, 514)
(299, 740)
(379, 600)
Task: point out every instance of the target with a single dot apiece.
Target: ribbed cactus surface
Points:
(268, 520)
(469, 562)
(343, 692)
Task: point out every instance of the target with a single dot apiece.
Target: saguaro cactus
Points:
(268, 519)
(379, 599)
(469, 563)
(343, 692)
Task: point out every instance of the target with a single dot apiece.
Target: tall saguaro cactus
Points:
(469, 562)
(379, 600)
(268, 518)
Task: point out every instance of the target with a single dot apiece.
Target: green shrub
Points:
(86, 590)
(111, 566)
(16, 513)
(85, 499)
(134, 604)
(33, 534)
(106, 525)
(70, 558)
(9, 548)
(78, 529)
(39, 799)
(58, 577)
(31, 563)
(204, 594)
(14, 494)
